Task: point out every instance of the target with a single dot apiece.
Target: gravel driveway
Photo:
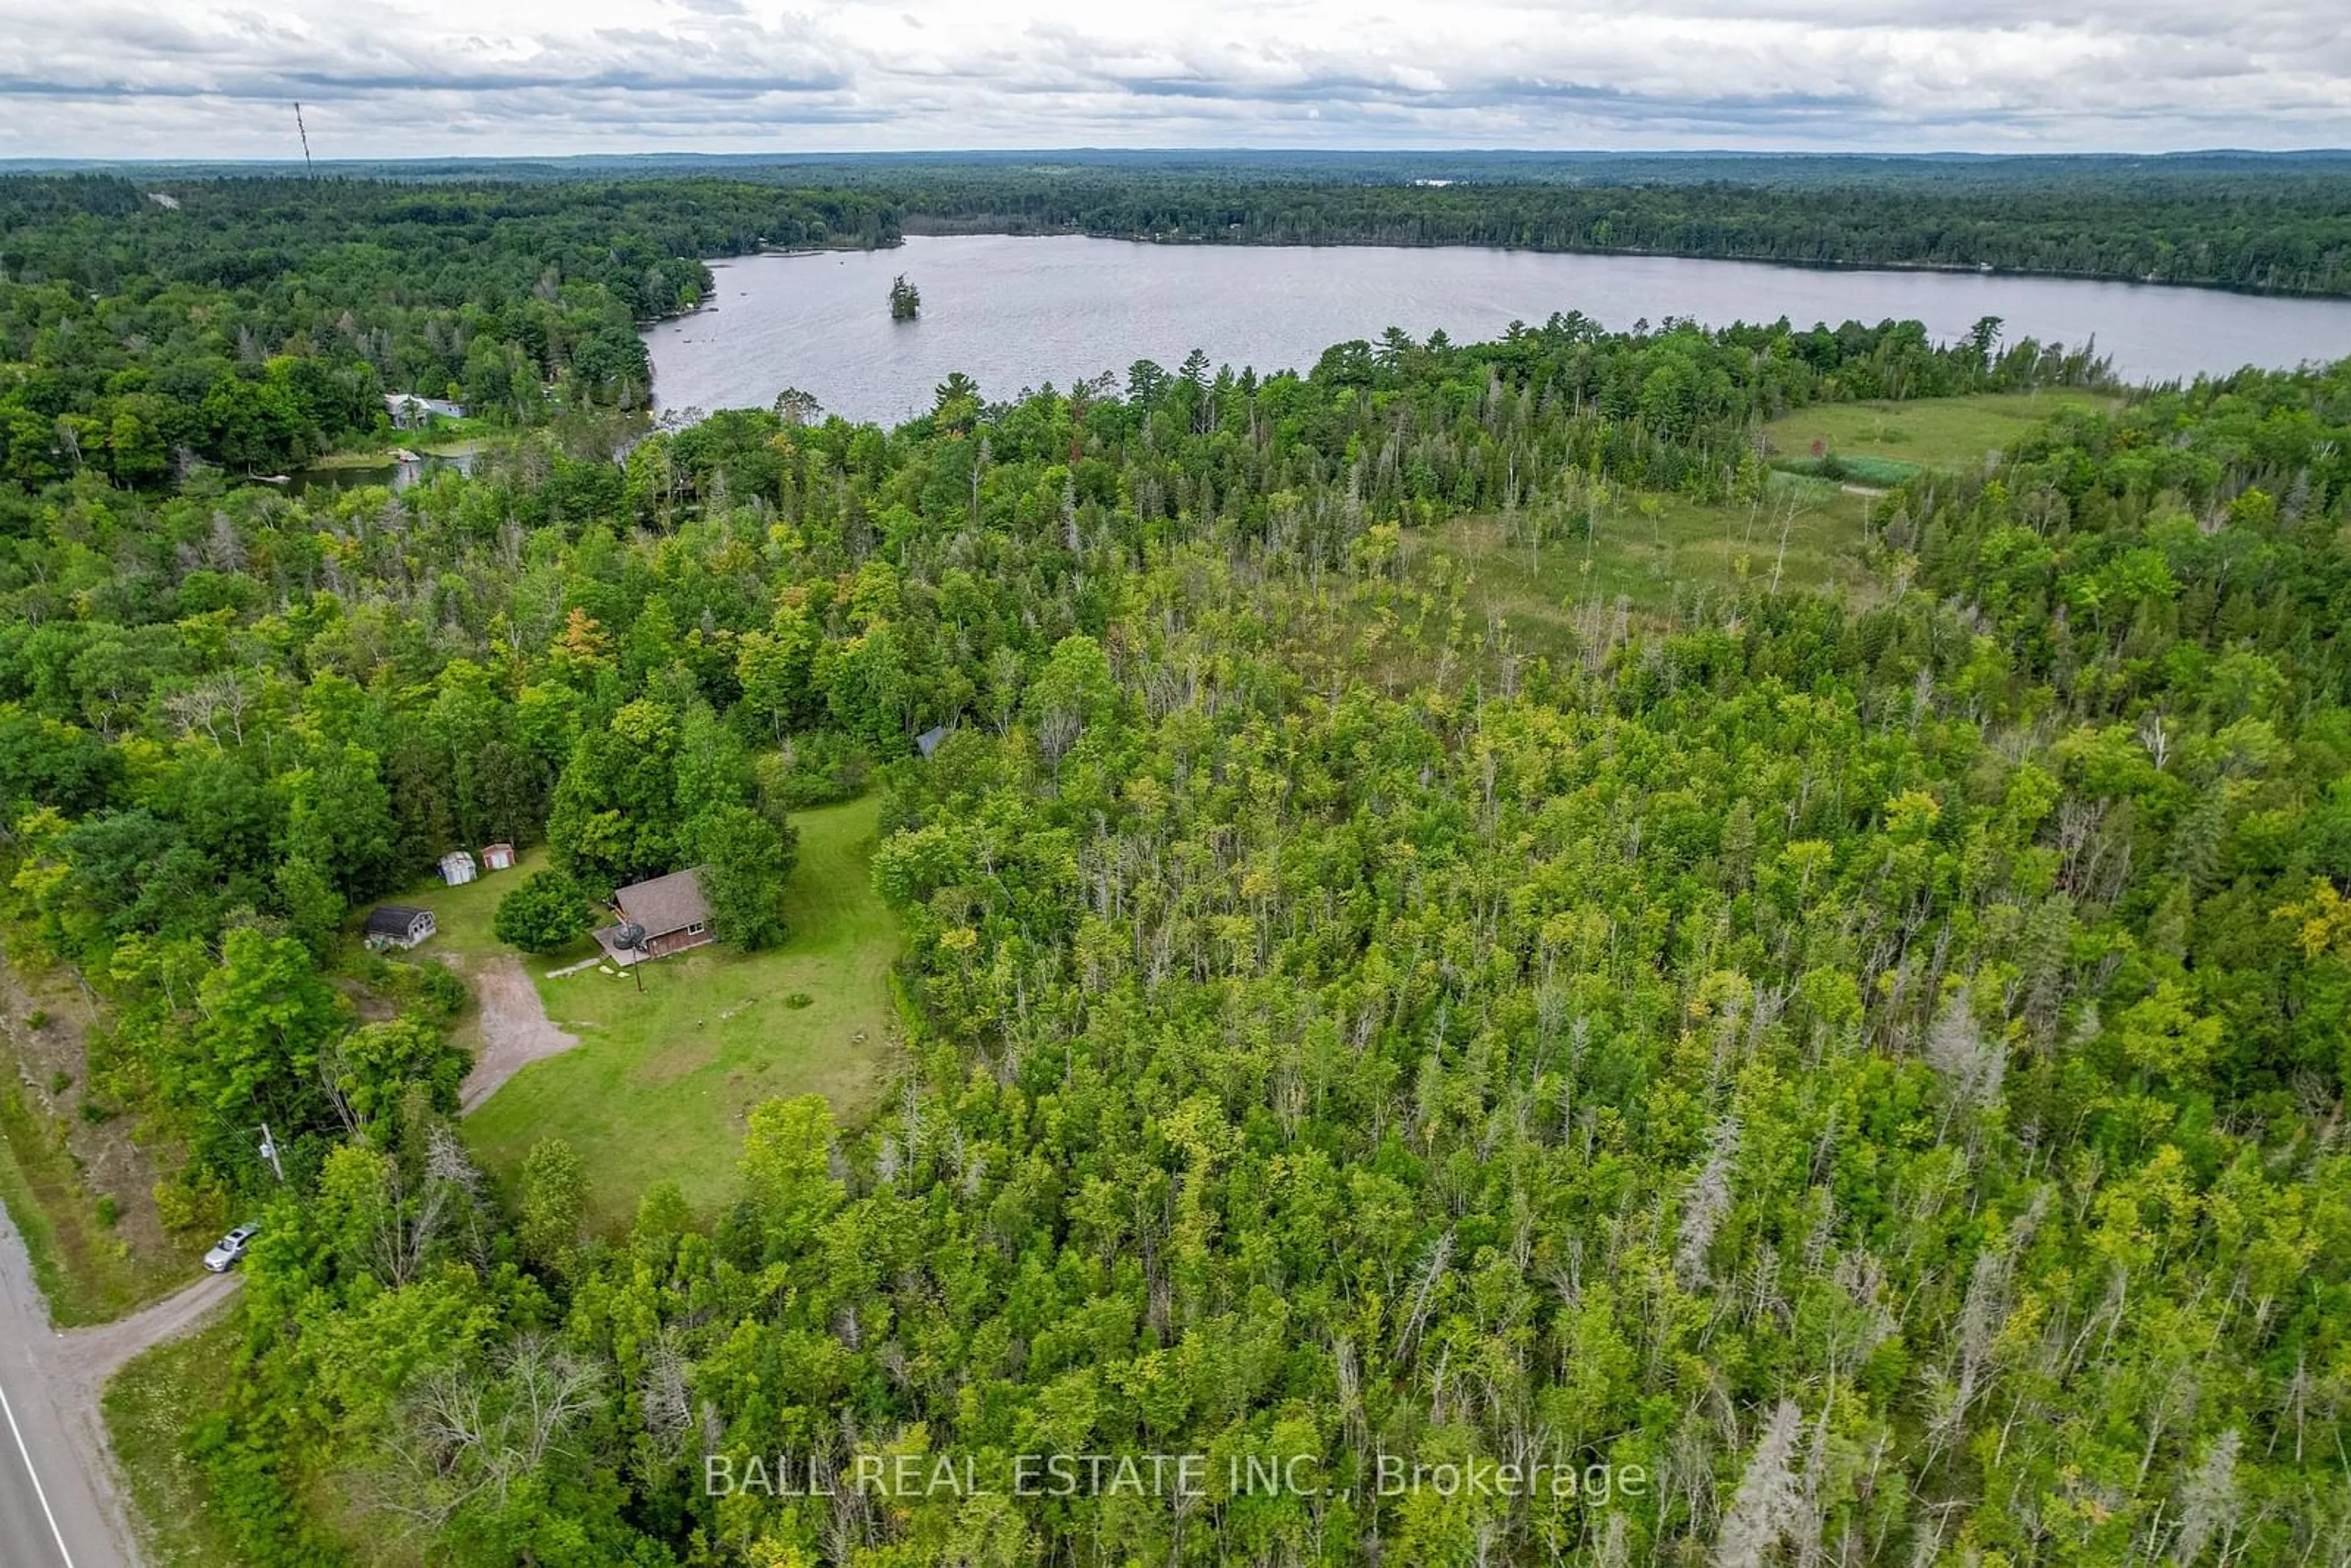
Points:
(515, 1030)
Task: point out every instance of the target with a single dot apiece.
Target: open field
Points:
(1952, 434)
(1648, 548)
(661, 1083)
(1644, 551)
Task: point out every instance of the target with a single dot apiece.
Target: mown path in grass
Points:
(661, 1082)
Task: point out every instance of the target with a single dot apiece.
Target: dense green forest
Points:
(2279, 223)
(2286, 229)
(1871, 1066)
(257, 323)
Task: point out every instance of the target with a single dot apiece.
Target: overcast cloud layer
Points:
(508, 78)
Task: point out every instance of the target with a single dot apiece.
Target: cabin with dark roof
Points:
(398, 925)
(668, 914)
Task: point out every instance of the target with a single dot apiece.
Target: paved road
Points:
(50, 1511)
(31, 1536)
(60, 1506)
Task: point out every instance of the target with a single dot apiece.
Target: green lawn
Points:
(1946, 432)
(151, 1408)
(462, 915)
(661, 1082)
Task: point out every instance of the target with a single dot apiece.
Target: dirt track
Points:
(89, 1356)
(516, 1031)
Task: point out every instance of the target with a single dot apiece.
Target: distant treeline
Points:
(2270, 222)
(255, 323)
(2283, 227)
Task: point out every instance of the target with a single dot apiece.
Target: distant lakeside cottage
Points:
(409, 412)
(665, 916)
(398, 925)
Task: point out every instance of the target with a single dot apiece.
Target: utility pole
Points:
(269, 1153)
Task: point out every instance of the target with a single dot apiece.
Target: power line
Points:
(306, 135)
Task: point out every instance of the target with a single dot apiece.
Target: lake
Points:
(1014, 313)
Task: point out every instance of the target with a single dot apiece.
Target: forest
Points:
(2272, 225)
(254, 324)
(2275, 222)
(1870, 1063)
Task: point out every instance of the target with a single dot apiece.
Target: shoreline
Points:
(918, 227)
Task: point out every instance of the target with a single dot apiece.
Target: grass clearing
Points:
(462, 915)
(663, 1081)
(1644, 551)
(1808, 529)
(151, 1406)
(1879, 473)
(1951, 434)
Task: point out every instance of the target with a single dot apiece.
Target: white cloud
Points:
(528, 77)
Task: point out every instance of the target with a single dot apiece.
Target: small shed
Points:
(928, 741)
(398, 925)
(457, 868)
(498, 857)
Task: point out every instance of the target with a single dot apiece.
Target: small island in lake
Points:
(905, 300)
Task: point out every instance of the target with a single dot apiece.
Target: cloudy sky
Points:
(394, 77)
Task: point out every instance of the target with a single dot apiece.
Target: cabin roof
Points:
(392, 919)
(665, 903)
